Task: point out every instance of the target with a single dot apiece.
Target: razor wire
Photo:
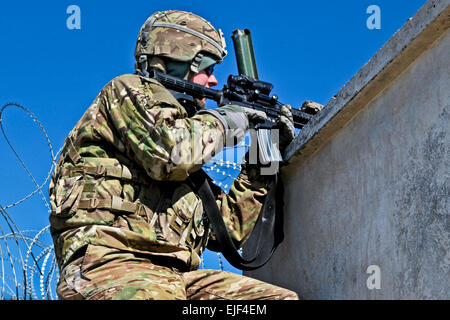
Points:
(30, 255)
(28, 267)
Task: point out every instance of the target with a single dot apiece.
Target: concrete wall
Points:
(372, 189)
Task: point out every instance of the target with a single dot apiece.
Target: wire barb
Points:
(22, 286)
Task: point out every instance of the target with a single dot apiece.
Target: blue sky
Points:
(307, 49)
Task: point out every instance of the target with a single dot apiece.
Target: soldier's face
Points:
(204, 79)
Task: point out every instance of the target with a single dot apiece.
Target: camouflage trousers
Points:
(109, 274)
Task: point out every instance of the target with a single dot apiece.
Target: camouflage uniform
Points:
(125, 223)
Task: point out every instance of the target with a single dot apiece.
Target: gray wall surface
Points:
(375, 194)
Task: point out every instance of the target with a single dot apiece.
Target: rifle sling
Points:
(269, 224)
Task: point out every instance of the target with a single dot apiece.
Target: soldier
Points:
(125, 223)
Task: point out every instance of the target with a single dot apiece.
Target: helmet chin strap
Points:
(142, 66)
(196, 63)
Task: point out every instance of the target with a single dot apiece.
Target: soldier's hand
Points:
(236, 119)
(286, 124)
(311, 107)
(254, 116)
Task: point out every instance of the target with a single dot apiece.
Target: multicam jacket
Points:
(120, 181)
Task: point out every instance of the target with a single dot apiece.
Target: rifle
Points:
(244, 90)
(240, 90)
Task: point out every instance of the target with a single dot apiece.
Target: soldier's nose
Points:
(212, 81)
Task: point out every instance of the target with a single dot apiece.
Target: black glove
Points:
(236, 119)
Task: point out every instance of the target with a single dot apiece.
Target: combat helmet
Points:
(178, 36)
